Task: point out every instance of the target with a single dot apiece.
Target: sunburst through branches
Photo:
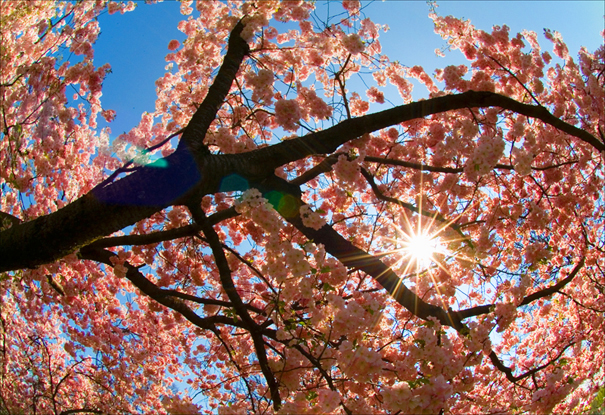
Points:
(421, 247)
(417, 247)
(421, 244)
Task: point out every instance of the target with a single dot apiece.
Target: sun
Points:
(418, 246)
(421, 247)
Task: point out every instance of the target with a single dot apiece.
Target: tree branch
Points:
(326, 141)
(485, 309)
(113, 206)
(323, 167)
(196, 130)
(150, 189)
(158, 294)
(209, 301)
(7, 220)
(437, 169)
(509, 373)
(82, 411)
(381, 196)
(228, 285)
(353, 257)
(415, 166)
(161, 236)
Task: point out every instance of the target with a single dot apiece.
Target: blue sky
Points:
(135, 43)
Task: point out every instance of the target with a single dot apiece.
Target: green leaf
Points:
(281, 306)
(598, 403)
(327, 287)
(312, 395)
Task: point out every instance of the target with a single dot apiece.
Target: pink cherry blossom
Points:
(263, 259)
(287, 114)
(174, 44)
(353, 43)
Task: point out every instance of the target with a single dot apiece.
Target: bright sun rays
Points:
(420, 241)
(420, 247)
(416, 246)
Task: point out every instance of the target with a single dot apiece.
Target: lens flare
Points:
(421, 247)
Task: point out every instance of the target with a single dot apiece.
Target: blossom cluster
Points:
(252, 24)
(375, 95)
(353, 43)
(538, 217)
(352, 6)
(223, 139)
(424, 399)
(261, 83)
(287, 114)
(537, 252)
(297, 262)
(121, 7)
(332, 271)
(506, 314)
(485, 156)
(254, 206)
(310, 218)
(359, 363)
(347, 170)
(522, 160)
(312, 104)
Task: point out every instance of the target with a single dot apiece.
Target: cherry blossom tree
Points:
(256, 236)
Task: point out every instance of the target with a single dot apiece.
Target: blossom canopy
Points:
(251, 236)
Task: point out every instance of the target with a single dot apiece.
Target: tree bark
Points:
(151, 189)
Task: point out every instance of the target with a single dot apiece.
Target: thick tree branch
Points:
(7, 220)
(353, 257)
(196, 130)
(51, 237)
(326, 141)
(437, 169)
(82, 411)
(113, 206)
(150, 189)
